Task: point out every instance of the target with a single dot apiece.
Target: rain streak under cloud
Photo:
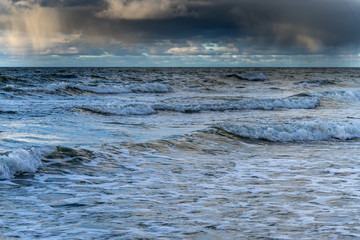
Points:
(179, 33)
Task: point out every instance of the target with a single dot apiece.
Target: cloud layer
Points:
(178, 27)
(149, 9)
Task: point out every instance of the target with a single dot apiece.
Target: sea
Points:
(179, 153)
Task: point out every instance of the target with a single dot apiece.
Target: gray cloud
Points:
(314, 25)
(277, 26)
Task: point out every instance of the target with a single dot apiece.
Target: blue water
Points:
(179, 153)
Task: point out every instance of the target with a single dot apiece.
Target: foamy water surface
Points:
(179, 153)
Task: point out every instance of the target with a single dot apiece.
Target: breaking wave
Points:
(147, 109)
(22, 161)
(30, 160)
(303, 131)
(262, 104)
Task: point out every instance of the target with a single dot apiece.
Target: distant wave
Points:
(341, 95)
(7, 112)
(102, 89)
(64, 88)
(316, 83)
(8, 79)
(141, 88)
(293, 132)
(120, 110)
(347, 95)
(249, 76)
(63, 75)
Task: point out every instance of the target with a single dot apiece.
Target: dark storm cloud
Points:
(285, 25)
(312, 24)
(327, 23)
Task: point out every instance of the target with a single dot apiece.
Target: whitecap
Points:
(22, 161)
(263, 104)
(292, 132)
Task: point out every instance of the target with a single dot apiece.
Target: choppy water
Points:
(179, 153)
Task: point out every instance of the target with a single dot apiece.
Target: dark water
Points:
(179, 153)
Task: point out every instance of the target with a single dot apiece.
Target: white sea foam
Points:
(264, 104)
(121, 110)
(22, 160)
(302, 131)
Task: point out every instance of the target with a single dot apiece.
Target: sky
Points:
(184, 33)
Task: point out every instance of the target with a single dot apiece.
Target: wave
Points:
(262, 104)
(22, 161)
(337, 95)
(294, 132)
(63, 75)
(316, 83)
(342, 95)
(8, 79)
(249, 76)
(62, 154)
(147, 109)
(64, 88)
(141, 88)
(11, 88)
(150, 88)
(119, 110)
(7, 112)
(30, 160)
